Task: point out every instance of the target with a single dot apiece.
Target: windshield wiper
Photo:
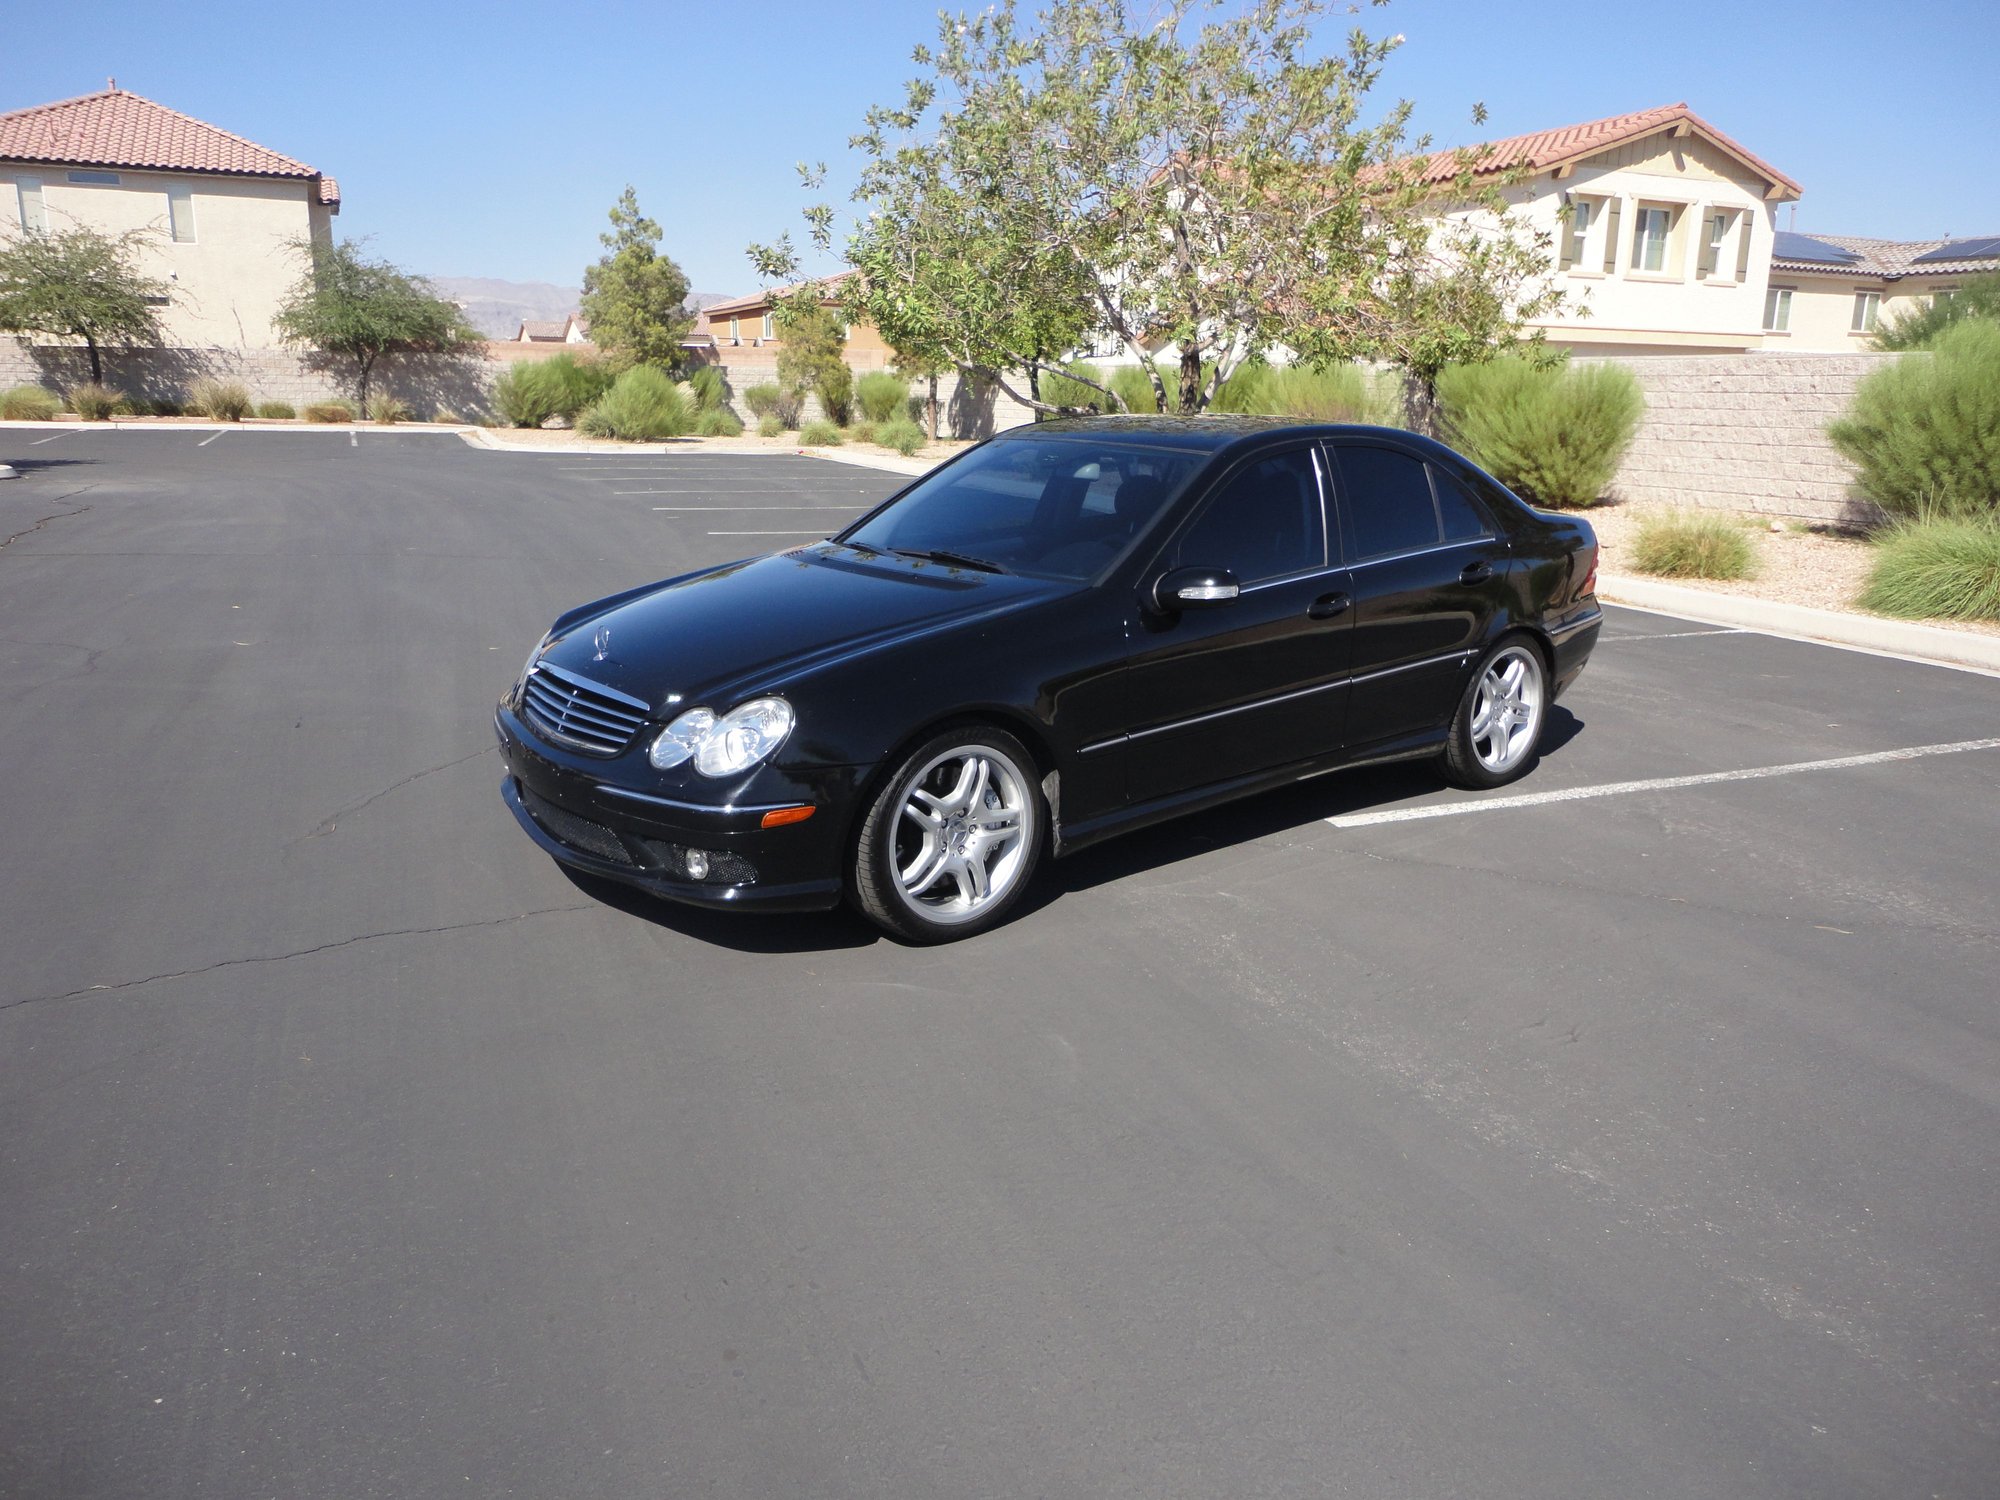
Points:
(953, 559)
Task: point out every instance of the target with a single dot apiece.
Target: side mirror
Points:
(1194, 588)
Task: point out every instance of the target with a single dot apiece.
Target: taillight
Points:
(1590, 579)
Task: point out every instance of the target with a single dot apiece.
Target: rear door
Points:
(1429, 572)
(1259, 682)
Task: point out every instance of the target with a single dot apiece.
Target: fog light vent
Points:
(699, 866)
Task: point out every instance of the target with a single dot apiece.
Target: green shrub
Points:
(642, 406)
(1919, 327)
(158, 406)
(223, 400)
(1944, 568)
(1700, 544)
(569, 383)
(1332, 393)
(791, 408)
(904, 436)
(711, 387)
(1925, 431)
(386, 410)
(881, 395)
(520, 399)
(1063, 390)
(718, 421)
(861, 432)
(29, 403)
(1134, 387)
(329, 411)
(277, 410)
(96, 403)
(1553, 435)
(770, 427)
(820, 434)
(835, 389)
(762, 400)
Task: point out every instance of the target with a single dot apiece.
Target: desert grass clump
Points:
(1069, 390)
(881, 395)
(862, 431)
(642, 406)
(718, 421)
(1941, 568)
(904, 436)
(820, 434)
(277, 411)
(1552, 434)
(1925, 431)
(770, 427)
(1328, 393)
(762, 400)
(221, 400)
(329, 411)
(1698, 544)
(710, 386)
(387, 410)
(29, 403)
(520, 399)
(96, 403)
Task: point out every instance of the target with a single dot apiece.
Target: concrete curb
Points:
(1871, 633)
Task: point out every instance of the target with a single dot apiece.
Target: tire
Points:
(1496, 734)
(950, 842)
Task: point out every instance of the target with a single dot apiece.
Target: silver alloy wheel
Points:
(963, 834)
(1507, 713)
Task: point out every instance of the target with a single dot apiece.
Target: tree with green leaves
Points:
(635, 298)
(82, 284)
(348, 305)
(1919, 327)
(812, 343)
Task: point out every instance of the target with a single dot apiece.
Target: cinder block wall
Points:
(1747, 432)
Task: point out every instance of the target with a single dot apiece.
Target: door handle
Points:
(1326, 606)
(1477, 572)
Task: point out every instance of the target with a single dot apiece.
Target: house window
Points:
(735, 332)
(95, 179)
(1715, 232)
(770, 326)
(1867, 306)
(180, 214)
(1649, 239)
(1778, 309)
(34, 213)
(1581, 211)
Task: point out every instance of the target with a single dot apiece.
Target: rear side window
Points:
(1265, 521)
(1388, 499)
(1459, 513)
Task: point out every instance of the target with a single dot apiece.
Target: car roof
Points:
(1208, 433)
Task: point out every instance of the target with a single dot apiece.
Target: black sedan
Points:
(1073, 630)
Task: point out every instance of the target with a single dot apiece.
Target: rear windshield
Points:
(1056, 509)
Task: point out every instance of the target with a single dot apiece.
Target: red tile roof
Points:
(763, 301)
(1544, 149)
(118, 128)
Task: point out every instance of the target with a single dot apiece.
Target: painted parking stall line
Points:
(1680, 635)
(219, 432)
(1656, 784)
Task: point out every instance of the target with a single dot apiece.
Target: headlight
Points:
(529, 665)
(723, 747)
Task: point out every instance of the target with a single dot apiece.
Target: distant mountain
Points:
(498, 308)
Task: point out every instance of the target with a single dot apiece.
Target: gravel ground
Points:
(1820, 570)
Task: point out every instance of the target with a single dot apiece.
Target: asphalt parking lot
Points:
(1368, 1139)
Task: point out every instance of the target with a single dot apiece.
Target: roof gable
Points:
(118, 128)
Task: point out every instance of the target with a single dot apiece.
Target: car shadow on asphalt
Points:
(1274, 812)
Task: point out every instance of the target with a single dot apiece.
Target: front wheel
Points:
(1498, 726)
(948, 845)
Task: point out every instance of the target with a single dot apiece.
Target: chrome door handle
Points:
(1326, 606)
(1477, 572)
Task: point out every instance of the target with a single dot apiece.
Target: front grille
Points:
(580, 833)
(578, 713)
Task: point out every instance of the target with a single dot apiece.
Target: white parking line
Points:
(56, 438)
(353, 438)
(708, 489)
(219, 432)
(815, 531)
(1657, 784)
(1678, 635)
(686, 509)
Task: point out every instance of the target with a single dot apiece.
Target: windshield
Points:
(1057, 508)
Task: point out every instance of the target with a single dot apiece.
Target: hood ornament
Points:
(603, 642)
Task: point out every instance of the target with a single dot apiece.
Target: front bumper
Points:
(641, 838)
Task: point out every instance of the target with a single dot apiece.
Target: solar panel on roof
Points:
(1980, 249)
(1791, 245)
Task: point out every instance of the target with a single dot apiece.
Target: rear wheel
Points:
(949, 844)
(1498, 726)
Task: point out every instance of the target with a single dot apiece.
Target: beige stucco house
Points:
(1829, 293)
(222, 216)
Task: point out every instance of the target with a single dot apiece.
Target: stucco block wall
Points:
(1747, 432)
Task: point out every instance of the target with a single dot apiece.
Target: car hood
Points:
(713, 638)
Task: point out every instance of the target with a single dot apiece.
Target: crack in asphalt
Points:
(332, 819)
(61, 515)
(279, 958)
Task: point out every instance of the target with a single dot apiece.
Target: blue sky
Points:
(490, 140)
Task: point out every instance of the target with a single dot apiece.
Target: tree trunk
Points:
(367, 365)
(931, 408)
(1190, 393)
(1420, 402)
(96, 361)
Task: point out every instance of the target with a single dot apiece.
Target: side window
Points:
(1388, 500)
(1463, 520)
(1265, 521)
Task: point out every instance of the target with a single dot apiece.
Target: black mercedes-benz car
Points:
(1070, 631)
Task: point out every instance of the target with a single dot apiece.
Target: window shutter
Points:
(1566, 235)
(1611, 208)
(1706, 254)
(1743, 251)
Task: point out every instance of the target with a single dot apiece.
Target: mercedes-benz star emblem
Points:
(603, 639)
